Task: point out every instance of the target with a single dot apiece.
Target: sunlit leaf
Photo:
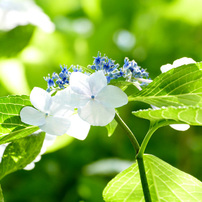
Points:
(21, 152)
(177, 87)
(189, 115)
(166, 183)
(111, 127)
(11, 127)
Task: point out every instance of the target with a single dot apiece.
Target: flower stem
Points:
(129, 133)
(140, 162)
(146, 140)
(143, 178)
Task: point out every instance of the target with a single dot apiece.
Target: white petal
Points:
(29, 166)
(183, 61)
(79, 84)
(78, 128)
(68, 98)
(96, 114)
(165, 68)
(31, 116)
(56, 125)
(40, 99)
(112, 96)
(97, 81)
(2, 149)
(180, 127)
(177, 63)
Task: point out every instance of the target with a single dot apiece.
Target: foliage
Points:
(162, 178)
(11, 127)
(163, 31)
(20, 153)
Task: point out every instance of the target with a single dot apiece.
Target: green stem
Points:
(129, 133)
(152, 129)
(140, 162)
(143, 178)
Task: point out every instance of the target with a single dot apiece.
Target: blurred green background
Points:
(153, 33)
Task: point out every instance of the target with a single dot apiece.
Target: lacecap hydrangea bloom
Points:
(89, 91)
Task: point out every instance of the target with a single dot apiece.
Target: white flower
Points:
(47, 114)
(22, 12)
(165, 68)
(53, 117)
(96, 101)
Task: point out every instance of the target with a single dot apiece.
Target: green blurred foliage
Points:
(162, 31)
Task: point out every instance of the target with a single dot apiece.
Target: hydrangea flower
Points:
(130, 71)
(96, 101)
(61, 80)
(167, 67)
(50, 116)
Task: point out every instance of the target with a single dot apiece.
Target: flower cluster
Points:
(94, 100)
(62, 79)
(130, 71)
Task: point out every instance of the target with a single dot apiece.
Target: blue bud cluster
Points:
(62, 79)
(130, 71)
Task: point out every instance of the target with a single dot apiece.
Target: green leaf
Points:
(1, 195)
(188, 115)
(166, 183)
(21, 152)
(177, 87)
(111, 127)
(11, 127)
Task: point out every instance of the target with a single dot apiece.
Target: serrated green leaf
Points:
(11, 127)
(188, 115)
(166, 183)
(177, 87)
(1, 195)
(21, 152)
(111, 127)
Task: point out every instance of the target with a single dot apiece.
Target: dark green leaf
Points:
(21, 152)
(177, 87)
(166, 183)
(11, 127)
